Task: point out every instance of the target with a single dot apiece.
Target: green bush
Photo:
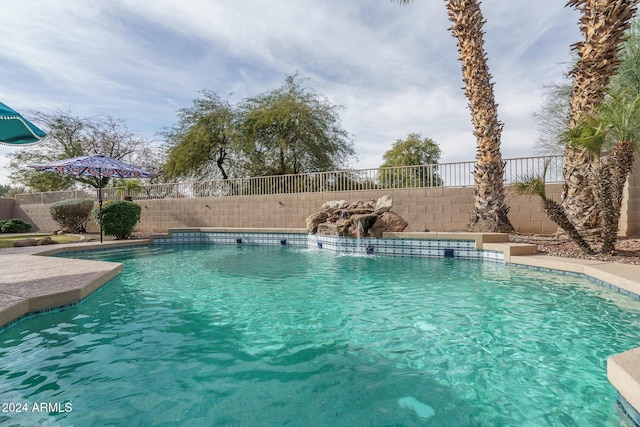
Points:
(72, 214)
(14, 225)
(118, 218)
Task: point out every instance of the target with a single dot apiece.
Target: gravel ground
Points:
(627, 249)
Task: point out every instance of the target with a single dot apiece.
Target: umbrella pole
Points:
(100, 205)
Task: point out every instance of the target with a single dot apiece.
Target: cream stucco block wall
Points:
(435, 209)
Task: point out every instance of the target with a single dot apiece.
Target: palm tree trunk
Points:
(603, 24)
(604, 190)
(556, 214)
(621, 157)
(620, 163)
(490, 210)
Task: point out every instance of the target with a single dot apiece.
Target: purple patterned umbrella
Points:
(97, 165)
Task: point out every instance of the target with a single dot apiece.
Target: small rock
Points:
(46, 241)
(22, 243)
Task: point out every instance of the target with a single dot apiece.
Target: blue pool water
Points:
(272, 336)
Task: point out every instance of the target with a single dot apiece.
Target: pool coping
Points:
(33, 281)
(51, 282)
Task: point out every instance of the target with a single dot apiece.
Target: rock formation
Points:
(359, 219)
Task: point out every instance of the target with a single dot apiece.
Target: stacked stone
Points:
(359, 219)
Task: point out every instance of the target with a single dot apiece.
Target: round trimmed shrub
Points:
(72, 214)
(14, 225)
(119, 217)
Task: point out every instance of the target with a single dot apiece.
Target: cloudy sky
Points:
(394, 68)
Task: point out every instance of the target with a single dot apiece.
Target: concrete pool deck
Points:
(32, 281)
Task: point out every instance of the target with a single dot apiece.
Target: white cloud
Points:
(393, 67)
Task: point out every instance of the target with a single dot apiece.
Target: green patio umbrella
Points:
(16, 130)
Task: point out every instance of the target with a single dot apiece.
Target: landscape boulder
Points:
(383, 204)
(388, 222)
(328, 229)
(46, 241)
(333, 205)
(314, 220)
(22, 243)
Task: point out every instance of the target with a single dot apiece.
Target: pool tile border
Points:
(234, 238)
(628, 411)
(388, 246)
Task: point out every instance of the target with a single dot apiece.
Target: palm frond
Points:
(622, 117)
(531, 185)
(589, 133)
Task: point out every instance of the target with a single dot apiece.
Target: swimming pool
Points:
(250, 335)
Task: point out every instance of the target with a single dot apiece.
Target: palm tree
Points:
(590, 135)
(620, 113)
(621, 116)
(535, 185)
(615, 126)
(603, 24)
(490, 210)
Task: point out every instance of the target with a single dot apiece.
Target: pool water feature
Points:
(254, 335)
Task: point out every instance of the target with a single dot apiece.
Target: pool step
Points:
(511, 249)
(480, 239)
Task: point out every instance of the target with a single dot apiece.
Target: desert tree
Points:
(70, 136)
(292, 130)
(203, 143)
(411, 162)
